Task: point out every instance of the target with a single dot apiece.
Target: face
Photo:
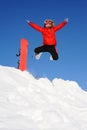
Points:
(48, 24)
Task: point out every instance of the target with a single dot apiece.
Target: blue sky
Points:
(71, 40)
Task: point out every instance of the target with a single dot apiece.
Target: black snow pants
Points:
(48, 48)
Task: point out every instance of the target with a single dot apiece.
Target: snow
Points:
(27, 103)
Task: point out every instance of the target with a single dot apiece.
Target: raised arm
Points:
(35, 26)
(59, 26)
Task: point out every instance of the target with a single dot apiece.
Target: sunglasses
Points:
(48, 21)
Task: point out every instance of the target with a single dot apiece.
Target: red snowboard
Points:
(23, 54)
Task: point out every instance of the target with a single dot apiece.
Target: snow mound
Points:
(27, 103)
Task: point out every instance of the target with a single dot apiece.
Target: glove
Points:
(67, 20)
(27, 21)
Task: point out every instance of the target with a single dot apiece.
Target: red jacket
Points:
(48, 34)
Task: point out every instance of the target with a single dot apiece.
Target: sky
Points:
(71, 40)
(39, 104)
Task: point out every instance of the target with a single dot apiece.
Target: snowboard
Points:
(23, 54)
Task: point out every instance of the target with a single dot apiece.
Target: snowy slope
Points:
(27, 103)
